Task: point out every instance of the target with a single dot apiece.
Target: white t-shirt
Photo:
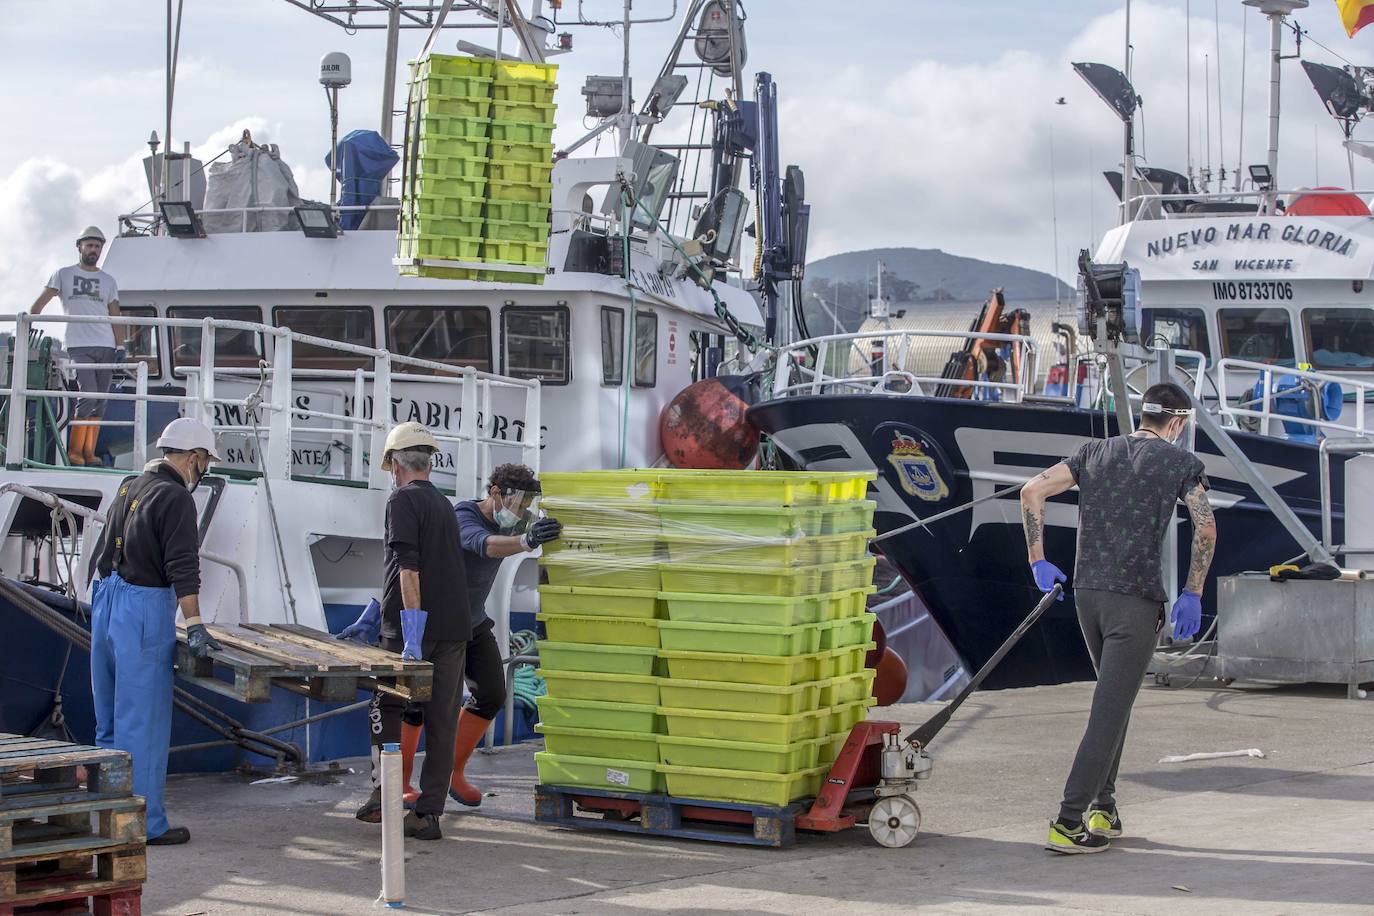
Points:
(85, 292)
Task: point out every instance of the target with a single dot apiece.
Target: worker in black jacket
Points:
(149, 564)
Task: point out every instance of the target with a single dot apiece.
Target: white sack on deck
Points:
(255, 176)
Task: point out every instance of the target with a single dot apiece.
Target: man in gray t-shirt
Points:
(1127, 489)
(85, 289)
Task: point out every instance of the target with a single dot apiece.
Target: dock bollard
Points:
(393, 839)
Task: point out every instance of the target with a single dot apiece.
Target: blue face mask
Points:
(506, 519)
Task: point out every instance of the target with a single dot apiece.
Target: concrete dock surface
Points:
(1290, 833)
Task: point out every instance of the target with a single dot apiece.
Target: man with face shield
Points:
(149, 564)
(1127, 489)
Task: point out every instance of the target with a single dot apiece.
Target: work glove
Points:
(200, 641)
(413, 633)
(541, 532)
(1046, 574)
(1187, 615)
(367, 627)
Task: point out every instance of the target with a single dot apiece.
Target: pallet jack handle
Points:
(928, 730)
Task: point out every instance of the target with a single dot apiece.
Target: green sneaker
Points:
(1104, 822)
(1073, 842)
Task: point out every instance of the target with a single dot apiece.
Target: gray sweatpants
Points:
(92, 381)
(1121, 632)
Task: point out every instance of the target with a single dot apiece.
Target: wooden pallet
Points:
(666, 815)
(257, 657)
(111, 879)
(38, 772)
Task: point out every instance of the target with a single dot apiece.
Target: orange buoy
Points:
(890, 682)
(1327, 204)
(705, 426)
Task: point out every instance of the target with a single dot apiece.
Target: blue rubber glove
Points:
(367, 627)
(1187, 615)
(413, 632)
(1046, 574)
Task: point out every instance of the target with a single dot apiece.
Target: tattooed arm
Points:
(1204, 537)
(1039, 488)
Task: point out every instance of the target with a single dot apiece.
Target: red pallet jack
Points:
(874, 777)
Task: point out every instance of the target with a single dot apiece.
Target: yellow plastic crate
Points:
(619, 717)
(613, 572)
(521, 131)
(768, 551)
(523, 71)
(851, 631)
(478, 87)
(438, 145)
(531, 172)
(744, 488)
(443, 226)
(598, 773)
(848, 689)
(830, 747)
(604, 602)
(590, 685)
(525, 112)
(440, 248)
(848, 603)
(765, 670)
(713, 784)
(763, 610)
(841, 518)
(633, 485)
(454, 106)
(507, 252)
(513, 151)
(520, 211)
(504, 230)
(843, 577)
(752, 521)
(847, 660)
(601, 544)
(419, 207)
(750, 756)
(596, 742)
(781, 581)
(453, 65)
(577, 656)
(746, 726)
(721, 695)
(624, 519)
(429, 125)
(840, 719)
(423, 186)
(742, 638)
(601, 631)
(451, 167)
(536, 192)
(524, 92)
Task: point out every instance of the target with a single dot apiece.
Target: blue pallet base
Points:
(665, 815)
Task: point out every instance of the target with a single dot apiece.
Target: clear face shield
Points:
(516, 508)
(1150, 407)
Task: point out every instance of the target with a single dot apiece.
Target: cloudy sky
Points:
(930, 123)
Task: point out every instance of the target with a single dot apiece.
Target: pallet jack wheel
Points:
(895, 821)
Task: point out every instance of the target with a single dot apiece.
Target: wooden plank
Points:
(68, 755)
(256, 651)
(336, 658)
(58, 877)
(63, 828)
(665, 815)
(367, 654)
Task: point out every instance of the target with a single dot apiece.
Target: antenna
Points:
(1276, 10)
(336, 72)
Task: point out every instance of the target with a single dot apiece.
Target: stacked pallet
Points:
(476, 183)
(65, 840)
(707, 631)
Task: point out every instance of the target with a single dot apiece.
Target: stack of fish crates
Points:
(707, 631)
(476, 182)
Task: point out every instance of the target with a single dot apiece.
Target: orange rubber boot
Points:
(410, 741)
(471, 728)
(88, 447)
(75, 436)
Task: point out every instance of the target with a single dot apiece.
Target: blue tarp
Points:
(364, 160)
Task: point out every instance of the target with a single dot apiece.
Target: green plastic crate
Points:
(616, 717)
(579, 656)
(454, 106)
(840, 719)
(778, 581)
(740, 638)
(842, 518)
(846, 661)
(762, 610)
(469, 86)
(852, 631)
(602, 602)
(603, 631)
(607, 688)
(631, 485)
(530, 172)
(465, 147)
(520, 211)
(746, 726)
(423, 186)
(442, 226)
(599, 773)
(508, 252)
(505, 230)
(420, 208)
(446, 127)
(601, 544)
(521, 190)
(847, 689)
(454, 65)
(615, 572)
(766, 551)
(526, 112)
(744, 488)
(848, 603)
(450, 167)
(440, 247)
(521, 131)
(753, 521)
(843, 577)
(625, 519)
(712, 784)
(767, 670)
(595, 742)
(512, 151)
(830, 748)
(719, 695)
(739, 755)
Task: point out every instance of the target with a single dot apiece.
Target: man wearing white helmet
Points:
(85, 289)
(149, 564)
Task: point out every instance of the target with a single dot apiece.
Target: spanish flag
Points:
(1356, 14)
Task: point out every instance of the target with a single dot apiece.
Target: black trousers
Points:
(385, 713)
(484, 675)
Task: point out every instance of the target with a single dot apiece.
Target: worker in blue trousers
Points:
(149, 564)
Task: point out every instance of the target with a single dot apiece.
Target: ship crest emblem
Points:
(918, 473)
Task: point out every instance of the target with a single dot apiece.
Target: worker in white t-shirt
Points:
(85, 289)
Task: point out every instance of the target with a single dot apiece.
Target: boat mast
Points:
(1127, 154)
(1277, 11)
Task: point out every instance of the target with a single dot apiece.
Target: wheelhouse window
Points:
(534, 343)
(1339, 338)
(646, 349)
(143, 340)
(456, 335)
(1177, 328)
(1259, 335)
(612, 345)
(233, 347)
(346, 325)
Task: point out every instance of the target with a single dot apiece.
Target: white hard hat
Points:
(186, 434)
(91, 232)
(407, 435)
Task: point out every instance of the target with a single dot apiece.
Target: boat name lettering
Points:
(654, 283)
(1293, 233)
(1253, 290)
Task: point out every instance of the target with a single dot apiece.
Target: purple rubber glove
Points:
(366, 627)
(1187, 615)
(1046, 574)
(413, 632)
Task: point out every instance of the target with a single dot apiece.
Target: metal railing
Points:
(815, 380)
(1268, 376)
(1258, 197)
(148, 220)
(274, 395)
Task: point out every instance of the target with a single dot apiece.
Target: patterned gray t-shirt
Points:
(1128, 487)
